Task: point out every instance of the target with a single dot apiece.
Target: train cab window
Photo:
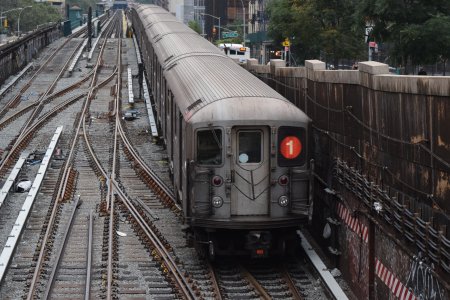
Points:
(232, 52)
(250, 144)
(209, 147)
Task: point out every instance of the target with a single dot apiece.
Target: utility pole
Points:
(243, 23)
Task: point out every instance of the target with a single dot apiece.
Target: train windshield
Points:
(209, 147)
(250, 147)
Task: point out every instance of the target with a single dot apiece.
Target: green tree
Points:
(317, 27)
(194, 25)
(39, 13)
(418, 31)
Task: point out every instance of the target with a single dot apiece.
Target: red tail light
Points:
(283, 180)
(217, 180)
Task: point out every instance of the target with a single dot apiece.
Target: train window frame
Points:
(221, 138)
(261, 148)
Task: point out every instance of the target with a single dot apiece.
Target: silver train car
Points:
(238, 150)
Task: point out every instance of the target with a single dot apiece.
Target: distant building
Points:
(229, 11)
(182, 9)
(262, 47)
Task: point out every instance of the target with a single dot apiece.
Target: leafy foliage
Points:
(317, 27)
(194, 25)
(413, 30)
(39, 13)
(418, 30)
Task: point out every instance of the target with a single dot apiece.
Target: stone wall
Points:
(382, 159)
(16, 55)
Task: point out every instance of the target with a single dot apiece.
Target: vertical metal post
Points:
(140, 78)
(89, 28)
(371, 247)
(243, 23)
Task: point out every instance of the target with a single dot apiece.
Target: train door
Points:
(250, 191)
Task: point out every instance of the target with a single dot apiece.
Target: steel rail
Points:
(166, 190)
(215, 284)
(5, 108)
(35, 112)
(48, 91)
(62, 184)
(46, 100)
(110, 198)
(89, 97)
(61, 250)
(87, 292)
(113, 185)
(41, 120)
(259, 289)
(291, 284)
(163, 253)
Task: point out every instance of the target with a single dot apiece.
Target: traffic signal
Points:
(214, 30)
(5, 23)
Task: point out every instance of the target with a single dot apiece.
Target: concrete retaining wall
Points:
(14, 56)
(392, 132)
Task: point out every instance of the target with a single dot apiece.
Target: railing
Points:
(409, 224)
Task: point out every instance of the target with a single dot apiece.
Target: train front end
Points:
(250, 181)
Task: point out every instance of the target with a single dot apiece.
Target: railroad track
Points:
(107, 224)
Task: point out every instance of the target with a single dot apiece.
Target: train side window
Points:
(250, 147)
(209, 147)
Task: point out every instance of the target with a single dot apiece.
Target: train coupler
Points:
(258, 242)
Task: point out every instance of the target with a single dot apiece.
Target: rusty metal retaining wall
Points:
(15, 55)
(382, 150)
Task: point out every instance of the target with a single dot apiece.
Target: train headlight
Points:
(217, 180)
(217, 201)
(283, 201)
(283, 180)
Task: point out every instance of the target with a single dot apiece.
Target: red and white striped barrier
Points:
(397, 288)
(352, 222)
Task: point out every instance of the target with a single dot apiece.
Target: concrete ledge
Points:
(260, 69)
(320, 267)
(373, 67)
(422, 85)
(252, 62)
(276, 63)
(299, 72)
(315, 65)
(336, 76)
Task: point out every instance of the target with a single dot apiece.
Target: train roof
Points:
(200, 75)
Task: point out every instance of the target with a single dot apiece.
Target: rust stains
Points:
(442, 143)
(443, 188)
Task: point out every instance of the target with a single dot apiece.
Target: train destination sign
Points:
(290, 147)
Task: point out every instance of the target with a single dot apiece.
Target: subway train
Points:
(238, 150)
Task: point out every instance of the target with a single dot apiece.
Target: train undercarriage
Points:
(211, 242)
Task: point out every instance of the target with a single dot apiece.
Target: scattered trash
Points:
(377, 206)
(326, 231)
(35, 158)
(24, 185)
(120, 233)
(130, 115)
(335, 272)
